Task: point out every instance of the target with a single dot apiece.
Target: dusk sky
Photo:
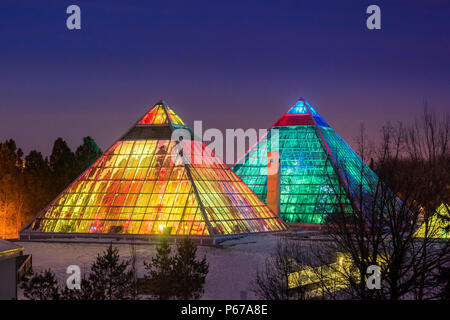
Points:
(231, 64)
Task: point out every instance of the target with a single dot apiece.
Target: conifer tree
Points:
(62, 165)
(189, 273)
(109, 278)
(41, 286)
(160, 272)
(87, 153)
(180, 276)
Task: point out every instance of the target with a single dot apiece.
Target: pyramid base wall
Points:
(305, 226)
(25, 236)
(108, 238)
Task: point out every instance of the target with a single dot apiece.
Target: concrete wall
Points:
(8, 278)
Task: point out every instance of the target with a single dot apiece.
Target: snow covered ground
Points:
(232, 265)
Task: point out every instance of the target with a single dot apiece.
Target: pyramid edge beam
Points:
(188, 171)
(334, 163)
(211, 230)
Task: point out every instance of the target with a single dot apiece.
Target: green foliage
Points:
(62, 165)
(87, 153)
(28, 185)
(189, 273)
(160, 272)
(180, 276)
(11, 195)
(109, 278)
(37, 184)
(41, 286)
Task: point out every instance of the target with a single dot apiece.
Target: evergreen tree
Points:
(109, 278)
(176, 277)
(189, 273)
(41, 286)
(86, 292)
(62, 166)
(160, 272)
(87, 153)
(11, 189)
(37, 184)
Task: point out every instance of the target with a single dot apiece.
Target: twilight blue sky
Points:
(229, 63)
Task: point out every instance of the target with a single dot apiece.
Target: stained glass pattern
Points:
(155, 116)
(438, 225)
(174, 117)
(316, 176)
(143, 186)
(307, 177)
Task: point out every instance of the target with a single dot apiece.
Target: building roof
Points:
(8, 249)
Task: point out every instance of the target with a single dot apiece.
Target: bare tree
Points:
(273, 282)
(378, 227)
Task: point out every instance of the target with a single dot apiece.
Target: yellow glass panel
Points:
(140, 174)
(160, 187)
(136, 186)
(138, 147)
(121, 161)
(147, 186)
(150, 146)
(172, 186)
(131, 200)
(126, 147)
(145, 161)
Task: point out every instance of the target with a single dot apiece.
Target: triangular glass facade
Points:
(317, 168)
(141, 185)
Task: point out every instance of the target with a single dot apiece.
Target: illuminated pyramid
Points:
(438, 225)
(317, 169)
(143, 186)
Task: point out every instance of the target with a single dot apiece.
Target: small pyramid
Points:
(141, 186)
(317, 168)
(438, 224)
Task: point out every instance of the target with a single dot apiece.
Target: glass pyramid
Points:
(438, 225)
(142, 185)
(317, 168)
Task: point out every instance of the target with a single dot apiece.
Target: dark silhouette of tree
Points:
(189, 273)
(11, 189)
(62, 165)
(86, 154)
(379, 229)
(109, 278)
(180, 276)
(41, 286)
(444, 278)
(272, 281)
(159, 275)
(28, 185)
(37, 184)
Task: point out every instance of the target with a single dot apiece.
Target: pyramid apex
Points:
(301, 113)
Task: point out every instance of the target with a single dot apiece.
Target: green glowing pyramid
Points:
(318, 170)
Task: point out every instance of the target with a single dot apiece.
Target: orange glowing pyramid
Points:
(142, 186)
